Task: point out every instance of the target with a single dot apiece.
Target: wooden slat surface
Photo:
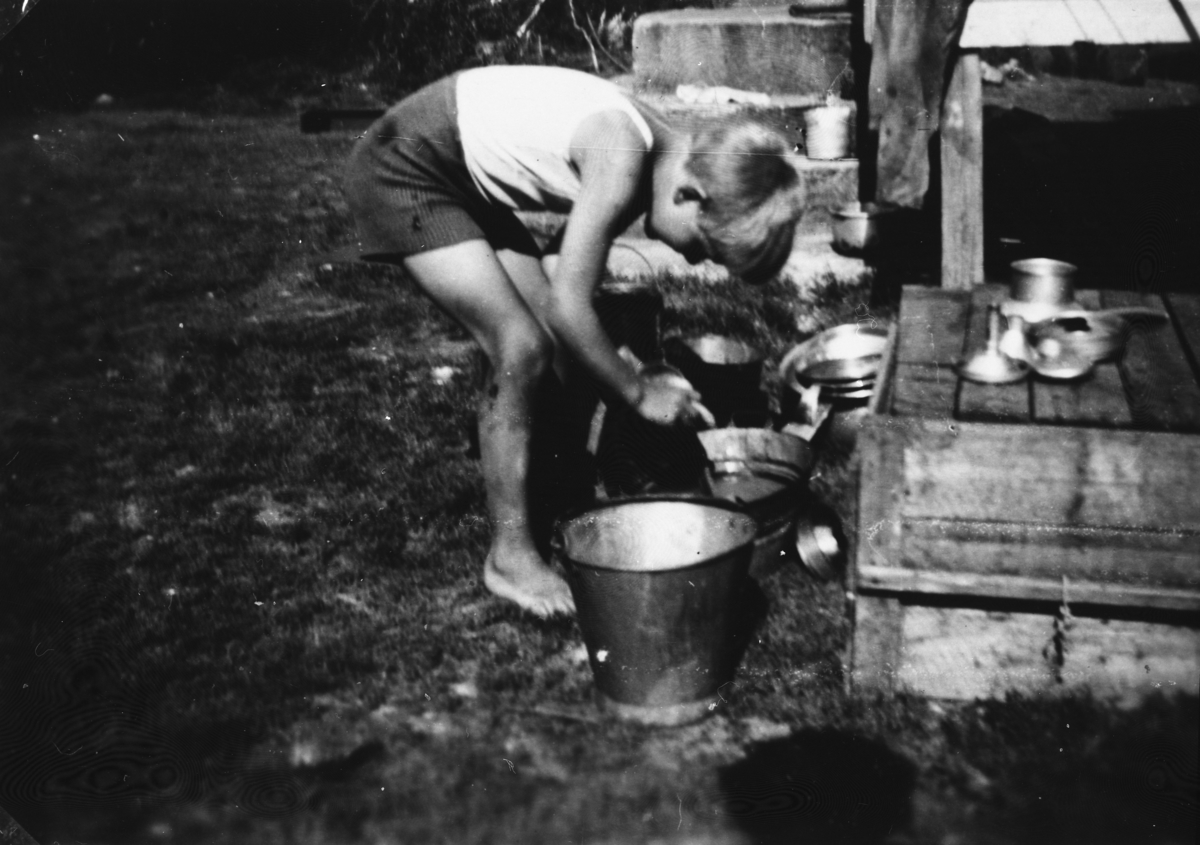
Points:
(885, 382)
(1068, 476)
(963, 653)
(1185, 314)
(1050, 23)
(1129, 659)
(881, 456)
(960, 653)
(1155, 387)
(932, 324)
(961, 141)
(878, 639)
(1159, 382)
(989, 402)
(1163, 558)
(1097, 400)
(883, 579)
(924, 390)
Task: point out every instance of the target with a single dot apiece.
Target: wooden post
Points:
(962, 176)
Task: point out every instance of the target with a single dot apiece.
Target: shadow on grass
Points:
(817, 786)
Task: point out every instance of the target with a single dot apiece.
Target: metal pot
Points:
(828, 131)
(1040, 288)
(638, 457)
(727, 373)
(855, 228)
(630, 311)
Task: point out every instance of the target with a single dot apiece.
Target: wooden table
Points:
(1034, 536)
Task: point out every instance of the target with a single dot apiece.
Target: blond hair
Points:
(754, 197)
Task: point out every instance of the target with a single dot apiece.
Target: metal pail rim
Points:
(556, 537)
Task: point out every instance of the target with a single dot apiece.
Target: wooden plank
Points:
(881, 472)
(965, 653)
(1140, 558)
(962, 176)
(1129, 659)
(994, 402)
(873, 580)
(885, 381)
(1185, 314)
(989, 402)
(1095, 24)
(1060, 476)
(1148, 22)
(924, 390)
(1020, 23)
(1162, 389)
(1097, 400)
(933, 323)
(878, 639)
(1052, 23)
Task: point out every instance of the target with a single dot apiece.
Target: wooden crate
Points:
(1030, 537)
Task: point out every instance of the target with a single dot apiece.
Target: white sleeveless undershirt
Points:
(516, 124)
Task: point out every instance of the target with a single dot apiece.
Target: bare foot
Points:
(530, 583)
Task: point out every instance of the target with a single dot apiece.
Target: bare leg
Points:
(469, 282)
(529, 275)
(563, 473)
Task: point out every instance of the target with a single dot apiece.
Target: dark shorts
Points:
(409, 188)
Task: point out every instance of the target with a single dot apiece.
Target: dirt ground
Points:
(241, 533)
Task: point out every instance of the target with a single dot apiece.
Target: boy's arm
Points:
(613, 162)
(610, 154)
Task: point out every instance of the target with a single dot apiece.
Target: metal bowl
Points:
(766, 473)
(1094, 337)
(843, 353)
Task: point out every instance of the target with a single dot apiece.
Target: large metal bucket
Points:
(660, 589)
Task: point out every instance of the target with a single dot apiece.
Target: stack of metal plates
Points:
(842, 361)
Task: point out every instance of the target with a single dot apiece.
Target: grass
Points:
(243, 538)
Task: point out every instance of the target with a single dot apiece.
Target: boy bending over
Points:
(433, 185)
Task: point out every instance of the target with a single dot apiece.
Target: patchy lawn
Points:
(242, 538)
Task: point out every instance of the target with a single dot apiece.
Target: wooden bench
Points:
(1022, 23)
(1035, 536)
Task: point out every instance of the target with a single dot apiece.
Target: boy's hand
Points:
(668, 398)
